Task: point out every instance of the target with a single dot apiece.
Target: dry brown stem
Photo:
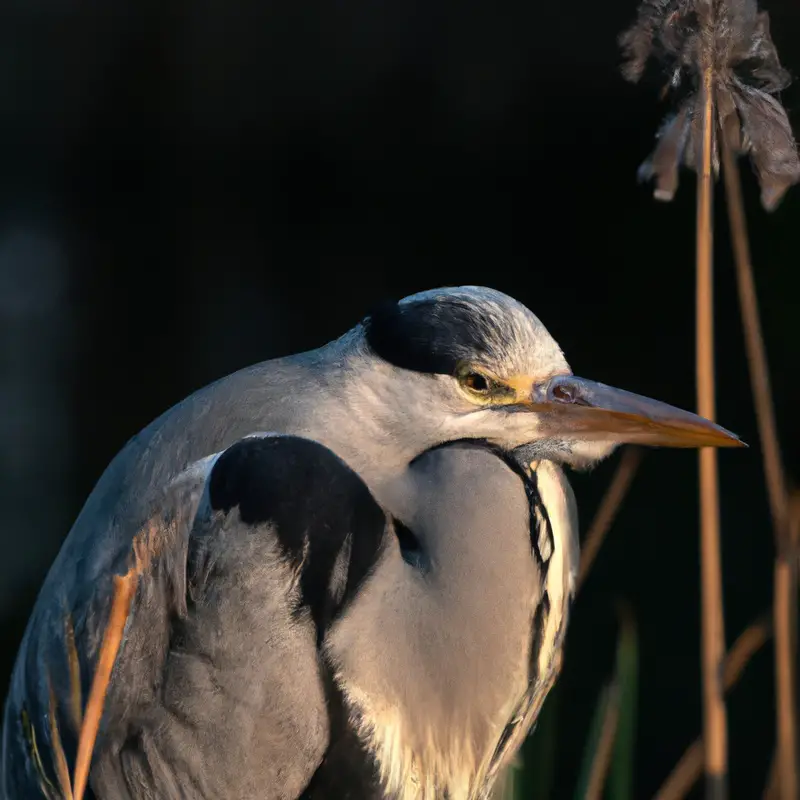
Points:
(784, 588)
(771, 790)
(59, 757)
(147, 545)
(607, 511)
(754, 343)
(686, 772)
(605, 747)
(785, 594)
(124, 589)
(713, 637)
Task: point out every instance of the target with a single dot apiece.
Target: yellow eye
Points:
(476, 382)
(483, 388)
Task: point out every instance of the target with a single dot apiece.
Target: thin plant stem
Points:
(783, 780)
(146, 546)
(609, 506)
(794, 559)
(771, 790)
(605, 747)
(684, 774)
(124, 589)
(785, 593)
(59, 757)
(754, 343)
(690, 767)
(784, 586)
(713, 637)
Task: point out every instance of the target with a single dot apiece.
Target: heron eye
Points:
(476, 382)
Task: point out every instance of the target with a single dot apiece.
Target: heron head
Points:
(471, 362)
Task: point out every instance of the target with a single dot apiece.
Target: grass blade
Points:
(609, 748)
(539, 753)
(599, 745)
(621, 777)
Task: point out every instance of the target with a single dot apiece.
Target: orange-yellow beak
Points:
(573, 407)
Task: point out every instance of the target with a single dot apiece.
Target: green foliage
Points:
(594, 741)
(531, 776)
(615, 715)
(620, 779)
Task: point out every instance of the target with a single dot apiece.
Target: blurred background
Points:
(188, 188)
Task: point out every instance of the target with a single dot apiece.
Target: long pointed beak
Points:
(575, 407)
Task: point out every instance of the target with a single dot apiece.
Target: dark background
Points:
(187, 188)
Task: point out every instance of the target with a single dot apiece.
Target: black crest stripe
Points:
(430, 336)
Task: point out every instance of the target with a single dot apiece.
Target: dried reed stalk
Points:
(720, 54)
(607, 511)
(784, 586)
(690, 767)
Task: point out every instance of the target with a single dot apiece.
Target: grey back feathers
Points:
(283, 536)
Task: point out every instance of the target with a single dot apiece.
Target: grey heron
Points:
(353, 570)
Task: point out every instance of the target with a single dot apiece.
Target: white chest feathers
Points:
(444, 667)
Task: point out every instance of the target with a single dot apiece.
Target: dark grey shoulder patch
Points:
(322, 513)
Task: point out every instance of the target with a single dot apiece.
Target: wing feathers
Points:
(209, 633)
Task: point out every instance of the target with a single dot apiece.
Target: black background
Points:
(187, 188)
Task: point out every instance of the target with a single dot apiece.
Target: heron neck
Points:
(351, 408)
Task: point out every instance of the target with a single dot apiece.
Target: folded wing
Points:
(218, 688)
